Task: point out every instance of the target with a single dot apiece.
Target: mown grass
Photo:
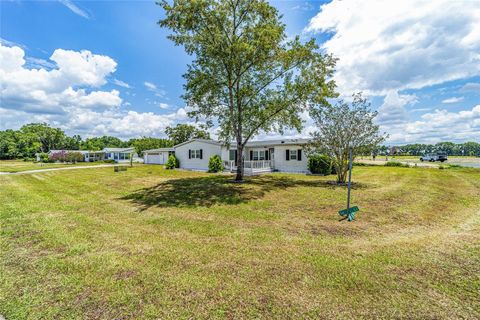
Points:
(19, 165)
(149, 243)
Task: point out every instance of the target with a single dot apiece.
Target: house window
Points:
(259, 155)
(196, 154)
(293, 154)
(232, 154)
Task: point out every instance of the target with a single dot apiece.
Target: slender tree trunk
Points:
(239, 176)
(341, 173)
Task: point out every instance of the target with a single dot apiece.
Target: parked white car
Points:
(432, 157)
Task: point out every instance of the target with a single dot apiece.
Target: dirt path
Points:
(58, 169)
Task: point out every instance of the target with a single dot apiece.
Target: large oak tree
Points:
(246, 75)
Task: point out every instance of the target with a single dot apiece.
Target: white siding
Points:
(160, 157)
(225, 155)
(281, 163)
(208, 150)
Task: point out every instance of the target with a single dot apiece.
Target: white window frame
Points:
(293, 154)
(195, 154)
(231, 154)
(258, 155)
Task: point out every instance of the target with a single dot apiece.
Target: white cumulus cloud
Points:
(68, 94)
(436, 126)
(396, 45)
(393, 110)
(51, 90)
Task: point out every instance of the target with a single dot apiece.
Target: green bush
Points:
(320, 164)
(172, 162)
(108, 161)
(74, 157)
(43, 157)
(215, 164)
(396, 164)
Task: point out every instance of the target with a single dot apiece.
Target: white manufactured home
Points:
(286, 155)
(120, 154)
(116, 154)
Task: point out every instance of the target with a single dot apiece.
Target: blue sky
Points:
(105, 67)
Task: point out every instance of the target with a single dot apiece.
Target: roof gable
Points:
(214, 142)
(118, 149)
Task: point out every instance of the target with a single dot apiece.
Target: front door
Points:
(271, 154)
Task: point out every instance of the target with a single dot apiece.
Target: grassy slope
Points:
(18, 165)
(148, 243)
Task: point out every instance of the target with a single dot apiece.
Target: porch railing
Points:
(250, 165)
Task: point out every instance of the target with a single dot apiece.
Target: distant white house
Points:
(120, 154)
(285, 155)
(116, 154)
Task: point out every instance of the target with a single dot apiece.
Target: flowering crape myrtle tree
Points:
(345, 126)
(246, 76)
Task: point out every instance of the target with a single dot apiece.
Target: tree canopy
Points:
(184, 132)
(32, 138)
(246, 75)
(342, 127)
(146, 143)
(98, 143)
(40, 137)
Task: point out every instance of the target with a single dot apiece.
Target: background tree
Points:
(98, 143)
(73, 143)
(48, 137)
(9, 148)
(246, 76)
(184, 132)
(345, 126)
(146, 143)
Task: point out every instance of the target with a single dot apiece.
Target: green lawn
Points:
(154, 244)
(19, 165)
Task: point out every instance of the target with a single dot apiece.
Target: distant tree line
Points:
(41, 138)
(417, 149)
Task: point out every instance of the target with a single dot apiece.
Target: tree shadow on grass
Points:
(212, 190)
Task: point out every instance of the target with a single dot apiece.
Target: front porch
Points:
(251, 168)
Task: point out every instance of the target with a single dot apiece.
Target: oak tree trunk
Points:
(239, 176)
